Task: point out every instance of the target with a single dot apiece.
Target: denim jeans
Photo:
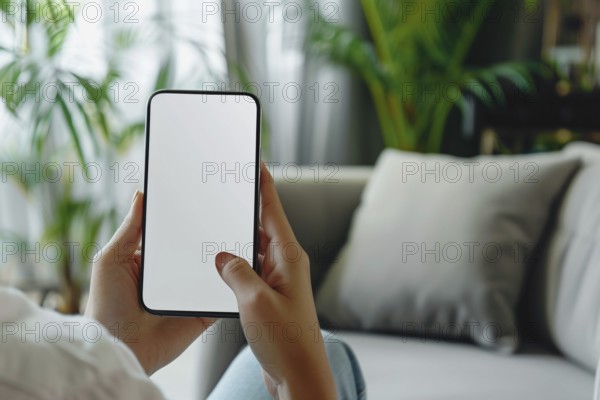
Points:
(243, 379)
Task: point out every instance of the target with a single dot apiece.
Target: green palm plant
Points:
(47, 99)
(36, 84)
(63, 114)
(414, 65)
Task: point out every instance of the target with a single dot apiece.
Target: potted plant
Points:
(66, 115)
(415, 64)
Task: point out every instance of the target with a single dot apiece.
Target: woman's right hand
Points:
(277, 310)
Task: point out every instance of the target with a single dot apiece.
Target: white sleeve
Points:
(46, 355)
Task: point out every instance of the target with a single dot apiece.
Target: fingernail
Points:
(135, 195)
(222, 259)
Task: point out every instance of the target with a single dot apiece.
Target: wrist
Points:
(143, 358)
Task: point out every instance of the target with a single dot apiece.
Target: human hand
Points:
(113, 300)
(294, 361)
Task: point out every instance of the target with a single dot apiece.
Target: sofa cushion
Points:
(573, 264)
(400, 368)
(439, 245)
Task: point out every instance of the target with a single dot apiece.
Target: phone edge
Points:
(258, 157)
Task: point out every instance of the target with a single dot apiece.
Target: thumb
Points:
(129, 233)
(238, 275)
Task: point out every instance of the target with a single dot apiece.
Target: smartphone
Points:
(201, 190)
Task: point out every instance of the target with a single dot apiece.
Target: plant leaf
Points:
(71, 126)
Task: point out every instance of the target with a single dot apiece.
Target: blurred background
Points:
(338, 80)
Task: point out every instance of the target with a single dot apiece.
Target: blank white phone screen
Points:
(200, 197)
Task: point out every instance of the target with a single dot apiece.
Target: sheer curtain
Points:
(24, 216)
(315, 111)
(193, 43)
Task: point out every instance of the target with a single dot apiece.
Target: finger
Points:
(272, 216)
(263, 240)
(265, 267)
(129, 233)
(238, 275)
(137, 257)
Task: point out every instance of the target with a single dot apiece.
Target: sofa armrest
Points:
(319, 206)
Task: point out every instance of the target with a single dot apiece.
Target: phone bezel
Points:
(256, 199)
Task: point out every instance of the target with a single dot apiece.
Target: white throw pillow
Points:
(439, 245)
(572, 264)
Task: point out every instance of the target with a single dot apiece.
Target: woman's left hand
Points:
(113, 300)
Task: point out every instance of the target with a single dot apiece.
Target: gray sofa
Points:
(561, 299)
